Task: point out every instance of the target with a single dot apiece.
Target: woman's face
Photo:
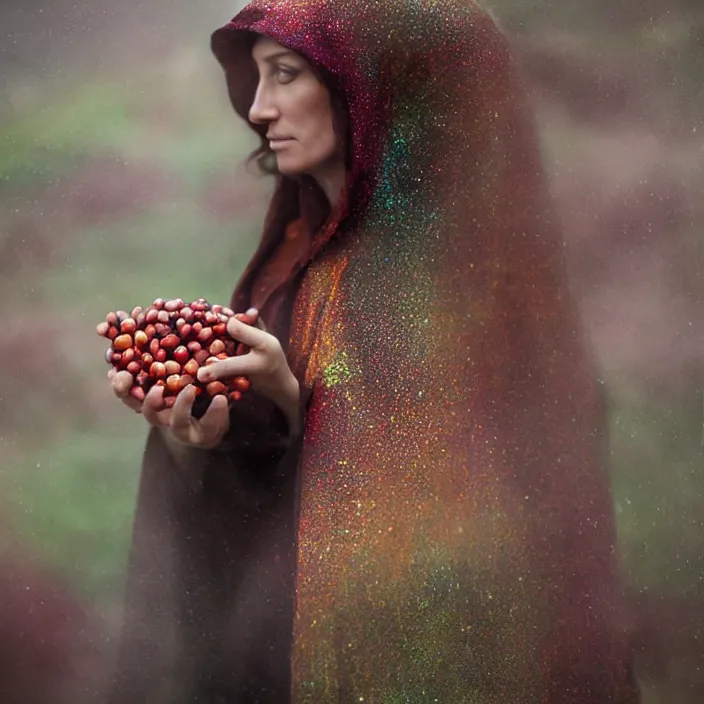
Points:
(295, 107)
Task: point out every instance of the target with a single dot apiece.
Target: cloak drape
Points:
(447, 510)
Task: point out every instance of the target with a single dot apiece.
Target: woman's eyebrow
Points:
(271, 58)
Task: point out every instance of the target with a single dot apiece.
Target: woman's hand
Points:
(206, 432)
(265, 365)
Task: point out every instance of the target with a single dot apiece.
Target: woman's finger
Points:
(226, 369)
(122, 383)
(181, 414)
(246, 334)
(215, 422)
(153, 407)
(257, 322)
(132, 403)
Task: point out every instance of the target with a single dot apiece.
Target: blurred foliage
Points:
(109, 199)
(121, 180)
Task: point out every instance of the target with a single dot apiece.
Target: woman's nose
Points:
(262, 109)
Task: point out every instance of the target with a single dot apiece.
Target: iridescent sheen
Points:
(455, 533)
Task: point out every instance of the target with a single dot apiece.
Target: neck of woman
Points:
(331, 178)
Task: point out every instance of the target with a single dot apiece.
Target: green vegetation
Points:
(111, 186)
(115, 190)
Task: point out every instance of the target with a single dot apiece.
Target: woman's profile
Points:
(412, 504)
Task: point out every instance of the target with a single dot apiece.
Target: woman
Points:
(422, 462)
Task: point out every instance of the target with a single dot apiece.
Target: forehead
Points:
(265, 48)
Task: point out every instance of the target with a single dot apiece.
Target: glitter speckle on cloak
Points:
(452, 452)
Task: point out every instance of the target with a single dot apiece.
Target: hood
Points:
(426, 85)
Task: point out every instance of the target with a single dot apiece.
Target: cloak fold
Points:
(453, 531)
(209, 596)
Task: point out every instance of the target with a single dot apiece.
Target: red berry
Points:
(180, 354)
(191, 367)
(172, 367)
(128, 325)
(122, 342)
(205, 334)
(170, 342)
(137, 392)
(217, 347)
(241, 383)
(157, 370)
(214, 388)
(140, 339)
(173, 383)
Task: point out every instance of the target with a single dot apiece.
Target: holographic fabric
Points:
(455, 537)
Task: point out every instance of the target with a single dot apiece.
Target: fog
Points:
(122, 179)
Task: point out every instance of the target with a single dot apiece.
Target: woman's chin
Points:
(288, 168)
(289, 165)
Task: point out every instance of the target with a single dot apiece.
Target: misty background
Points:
(122, 179)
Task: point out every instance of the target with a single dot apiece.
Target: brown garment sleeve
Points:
(209, 595)
(258, 432)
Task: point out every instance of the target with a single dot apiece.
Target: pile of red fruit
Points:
(166, 343)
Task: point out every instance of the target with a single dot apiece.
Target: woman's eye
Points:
(285, 75)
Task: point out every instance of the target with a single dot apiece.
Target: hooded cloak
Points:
(443, 530)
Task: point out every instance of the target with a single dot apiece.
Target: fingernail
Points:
(252, 311)
(203, 375)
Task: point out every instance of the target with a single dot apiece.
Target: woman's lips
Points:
(278, 144)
